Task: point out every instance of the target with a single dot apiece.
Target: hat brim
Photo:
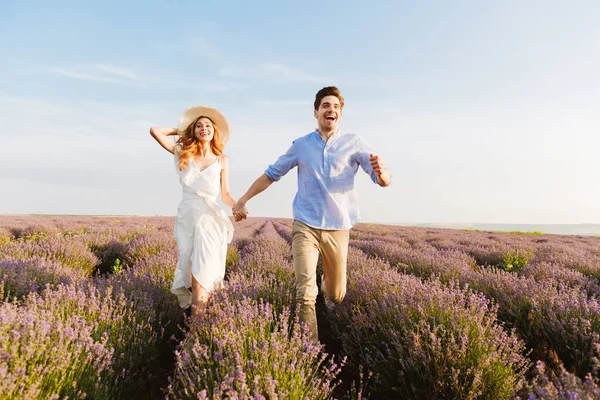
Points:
(193, 113)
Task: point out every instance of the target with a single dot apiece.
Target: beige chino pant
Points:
(307, 244)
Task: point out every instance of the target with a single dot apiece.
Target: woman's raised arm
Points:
(161, 134)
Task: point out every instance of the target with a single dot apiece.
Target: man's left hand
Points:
(376, 164)
(383, 175)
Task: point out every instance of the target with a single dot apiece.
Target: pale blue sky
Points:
(484, 111)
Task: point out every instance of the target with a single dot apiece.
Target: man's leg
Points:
(334, 248)
(305, 249)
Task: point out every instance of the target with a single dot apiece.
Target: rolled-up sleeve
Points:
(283, 164)
(362, 157)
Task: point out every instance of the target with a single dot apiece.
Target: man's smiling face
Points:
(329, 113)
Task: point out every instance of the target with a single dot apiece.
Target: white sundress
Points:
(202, 230)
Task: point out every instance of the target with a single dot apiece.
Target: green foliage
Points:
(232, 256)
(4, 239)
(514, 262)
(537, 233)
(74, 233)
(117, 267)
(110, 253)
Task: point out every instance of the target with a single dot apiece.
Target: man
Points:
(325, 206)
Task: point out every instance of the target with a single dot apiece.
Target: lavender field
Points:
(429, 313)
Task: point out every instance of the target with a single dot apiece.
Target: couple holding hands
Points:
(324, 209)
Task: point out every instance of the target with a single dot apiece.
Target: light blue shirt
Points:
(326, 198)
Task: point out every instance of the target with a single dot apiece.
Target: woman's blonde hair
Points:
(190, 145)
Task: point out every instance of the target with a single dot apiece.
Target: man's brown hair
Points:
(328, 91)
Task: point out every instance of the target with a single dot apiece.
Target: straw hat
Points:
(193, 113)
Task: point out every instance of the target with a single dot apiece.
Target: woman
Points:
(202, 228)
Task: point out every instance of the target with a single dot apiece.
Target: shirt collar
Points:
(335, 134)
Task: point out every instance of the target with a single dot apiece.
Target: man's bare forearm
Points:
(257, 187)
(385, 178)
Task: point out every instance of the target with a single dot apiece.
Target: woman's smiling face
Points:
(204, 129)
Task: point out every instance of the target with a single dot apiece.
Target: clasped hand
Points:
(239, 211)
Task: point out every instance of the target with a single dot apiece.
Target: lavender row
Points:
(126, 316)
(546, 271)
(427, 262)
(44, 355)
(560, 384)
(486, 248)
(284, 230)
(243, 348)
(246, 229)
(580, 253)
(248, 343)
(71, 254)
(120, 335)
(26, 275)
(27, 227)
(560, 324)
(449, 262)
(424, 262)
(422, 339)
(260, 270)
(554, 313)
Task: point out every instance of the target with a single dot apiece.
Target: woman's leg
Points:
(199, 296)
